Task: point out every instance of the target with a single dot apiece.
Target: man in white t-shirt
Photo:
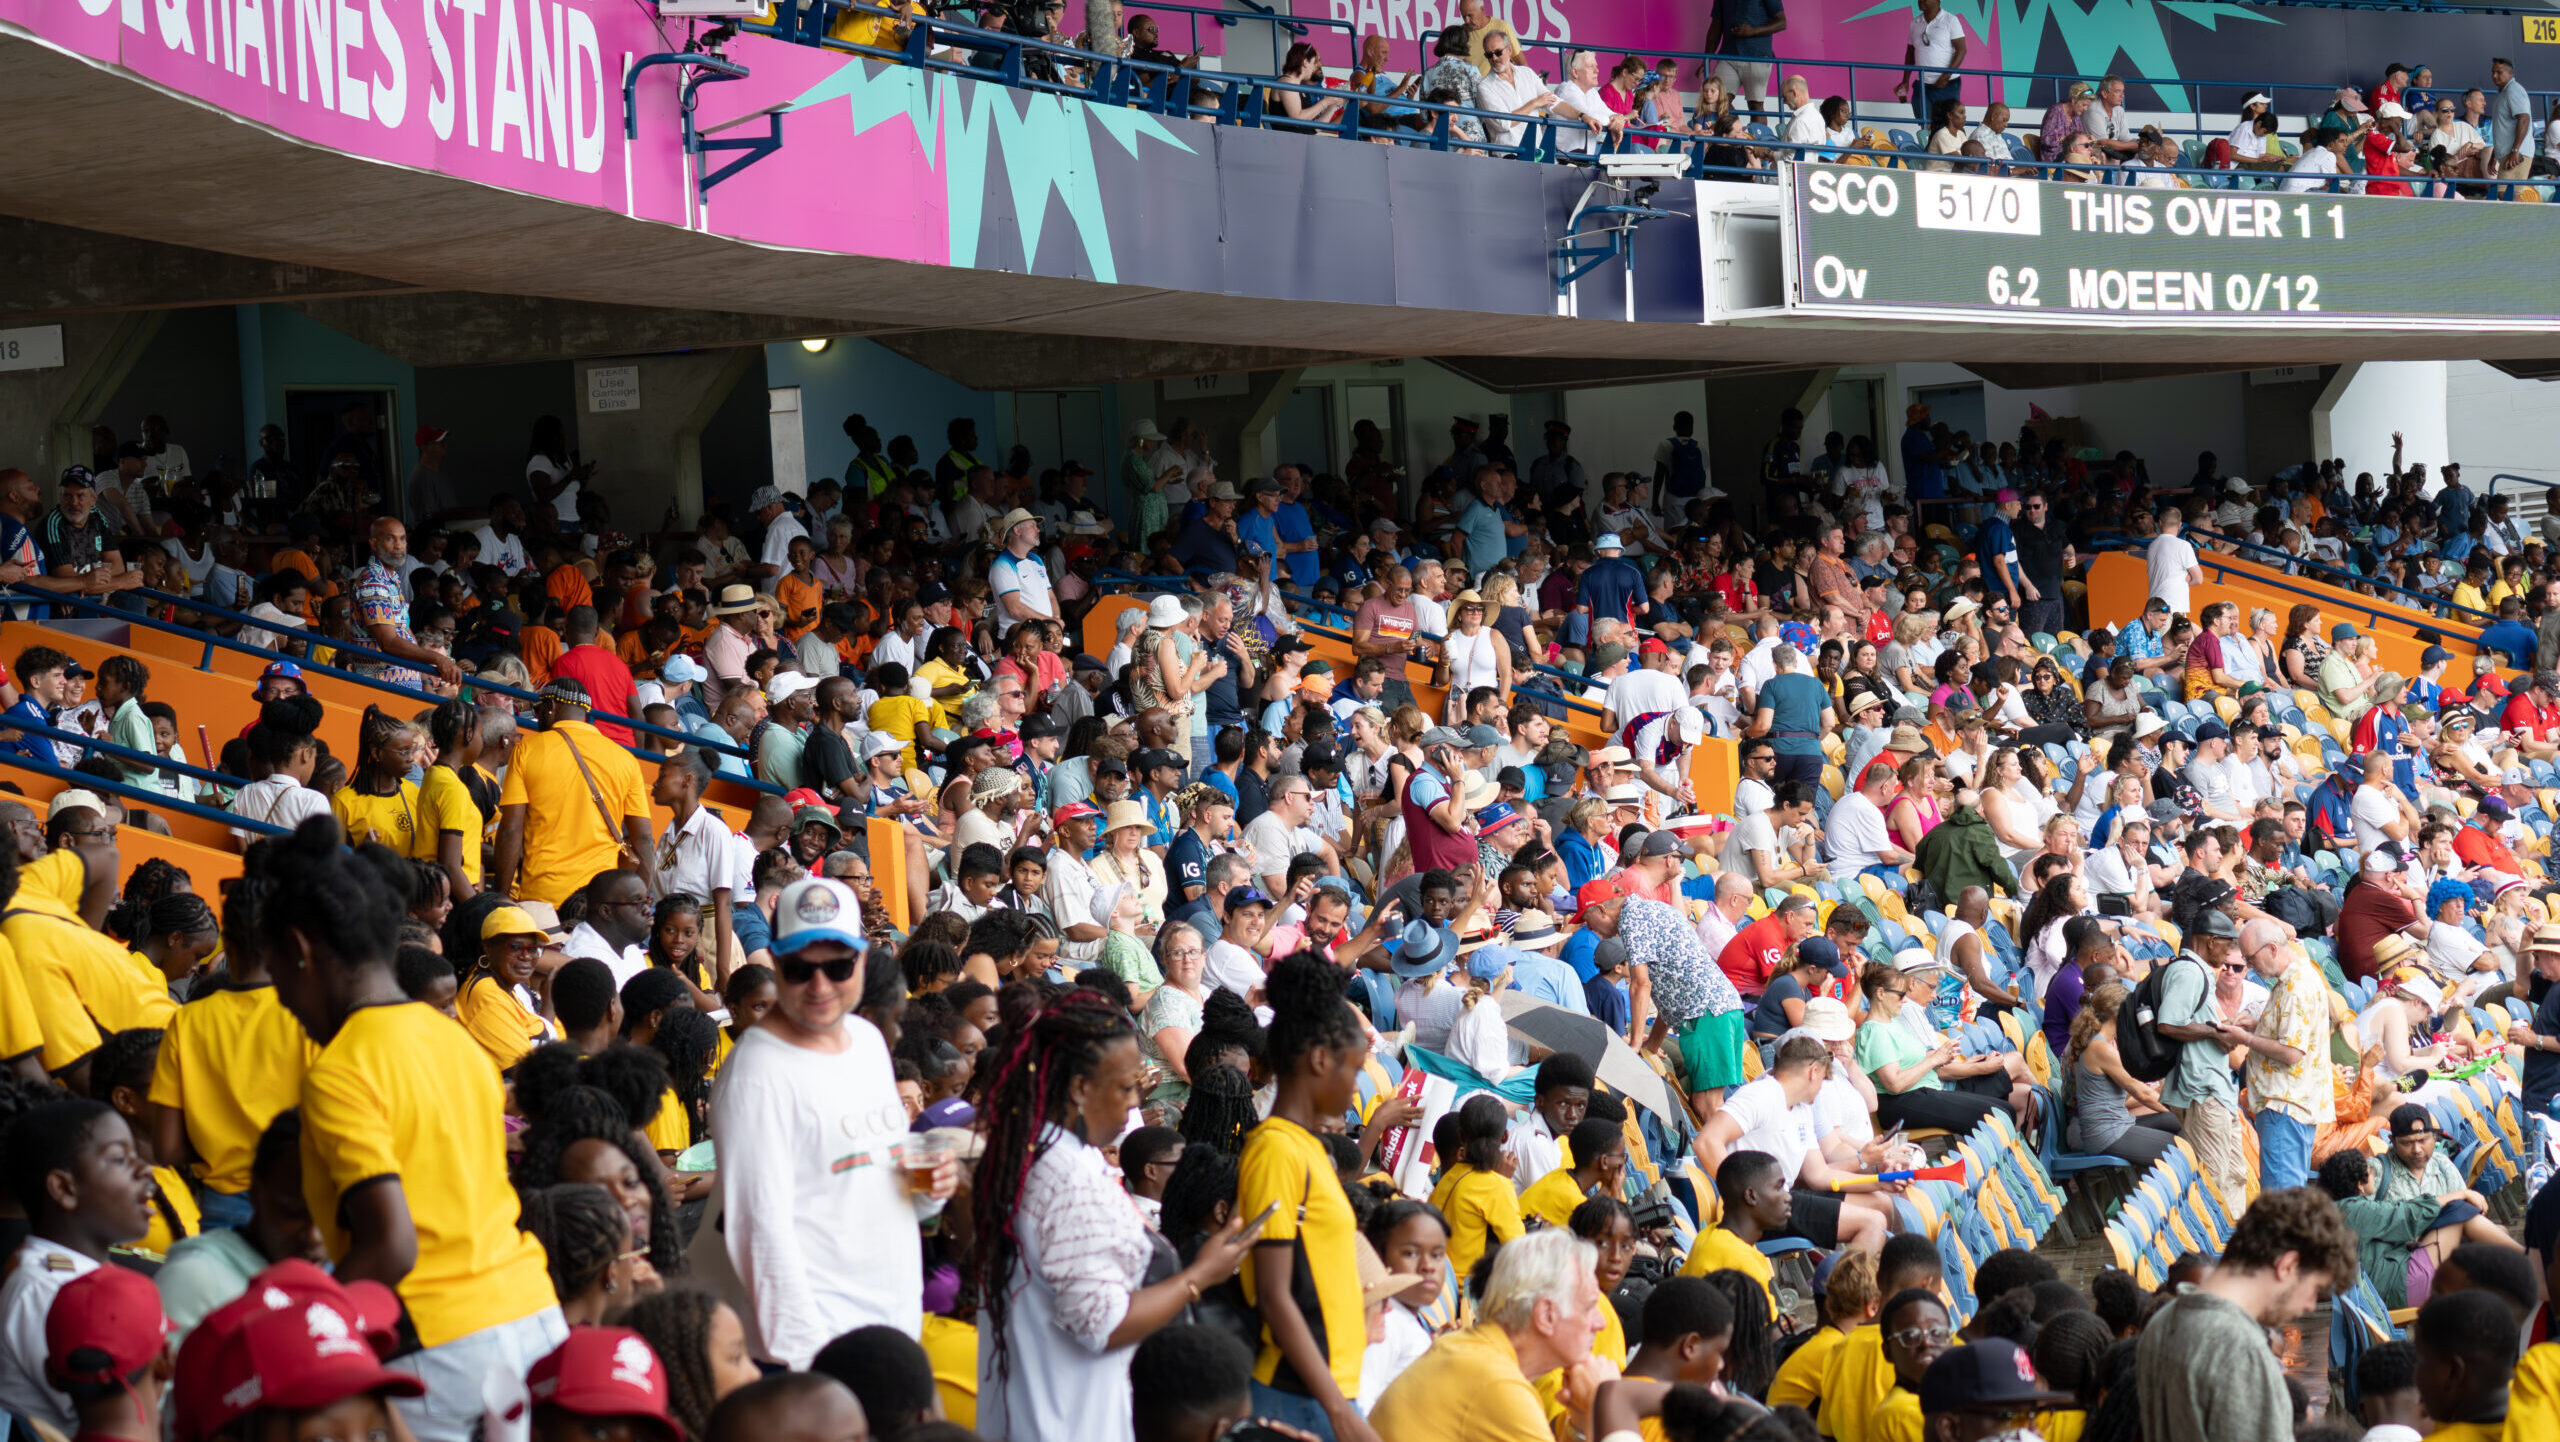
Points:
(781, 528)
(616, 931)
(1649, 688)
(2171, 562)
(2209, 774)
(1775, 1114)
(2322, 155)
(1934, 47)
(1857, 836)
(2382, 817)
(1018, 578)
(1804, 116)
(1280, 833)
(812, 1228)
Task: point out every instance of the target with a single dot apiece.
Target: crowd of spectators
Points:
(1207, 1079)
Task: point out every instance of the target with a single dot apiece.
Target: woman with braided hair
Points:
(703, 1345)
(154, 879)
(1059, 1249)
(581, 1134)
(177, 933)
(379, 801)
(589, 1250)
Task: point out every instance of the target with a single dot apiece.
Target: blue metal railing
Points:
(2520, 480)
(125, 753)
(213, 642)
(138, 795)
(1175, 584)
(1234, 98)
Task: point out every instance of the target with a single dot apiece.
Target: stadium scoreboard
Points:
(1873, 243)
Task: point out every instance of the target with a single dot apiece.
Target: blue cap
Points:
(1495, 817)
(1820, 951)
(1488, 963)
(814, 909)
(285, 669)
(1246, 895)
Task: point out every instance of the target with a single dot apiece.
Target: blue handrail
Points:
(126, 753)
(137, 794)
(346, 648)
(1109, 576)
(211, 641)
(1243, 100)
(2521, 480)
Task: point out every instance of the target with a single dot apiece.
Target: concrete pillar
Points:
(653, 454)
(45, 415)
(2366, 401)
(1253, 439)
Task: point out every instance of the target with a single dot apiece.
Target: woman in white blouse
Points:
(1060, 1253)
(1477, 655)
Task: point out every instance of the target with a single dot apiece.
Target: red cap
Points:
(1075, 811)
(429, 435)
(111, 1311)
(1600, 889)
(1653, 647)
(806, 797)
(297, 1339)
(604, 1372)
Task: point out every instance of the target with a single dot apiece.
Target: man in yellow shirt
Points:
(1757, 1199)
(1540, 1311)
(1482, 26)
(80, 982)
(573, 802)
(404, 1141)
(1600, 1152)
(2466, 1344)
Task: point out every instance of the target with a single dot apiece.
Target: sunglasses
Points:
(1915, 1336)
(796, 972)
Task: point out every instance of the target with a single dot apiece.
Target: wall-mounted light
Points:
(815, 344)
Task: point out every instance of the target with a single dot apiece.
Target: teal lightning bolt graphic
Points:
(1046, 141)
(2093, 37)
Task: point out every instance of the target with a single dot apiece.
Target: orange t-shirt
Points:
(568, 585)
(800, 601)
(313, 594)
(635, 654)
(541, 648)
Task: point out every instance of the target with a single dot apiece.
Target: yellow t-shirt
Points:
(2474, 1432)
(2064, 1425)
(936, 675)
(402, 1092)
(2468, 596)
(670, 1130)
(1467, 1388)
(445, 805)
(952, 1347)
(391, 820)
(1854, 1385)
(21, 1028)
(566, 840)
(1553, 1198)
(173, 1192)
(1718, 1249)
(230, 1062)
(860, 27)
(498, 1021)
(1284, 1163)
(1610, 1343)
(1482, 1209)
(1899, 1419)
(897, 716)
(2533, 1396)
(1799, 1379)
(59, 955)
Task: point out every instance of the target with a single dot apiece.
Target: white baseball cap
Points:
(813, 909)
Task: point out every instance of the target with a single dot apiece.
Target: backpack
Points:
(1688, 467)
(2148, 1056)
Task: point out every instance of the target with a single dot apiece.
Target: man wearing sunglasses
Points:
(812, 1228)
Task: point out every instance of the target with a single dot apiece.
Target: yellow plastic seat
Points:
(2226, 708)
(2339, 729)
(1832, 782)
(2308, 700)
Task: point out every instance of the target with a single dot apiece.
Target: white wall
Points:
(2505, 424)
(2166, 421)
(2365, 403)
(1616, 428)
(1433, 397)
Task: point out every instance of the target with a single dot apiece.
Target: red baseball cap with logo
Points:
(296, 1340)
(604, 1372)
(1075, 811)
(103, 1326)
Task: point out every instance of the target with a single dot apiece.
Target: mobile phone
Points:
(1256, 1223)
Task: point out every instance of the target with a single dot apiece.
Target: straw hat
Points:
(1127, 813)
(735, 601)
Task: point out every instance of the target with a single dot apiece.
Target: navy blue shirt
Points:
(2542, 1068)
(1187, 860)
(1748, 12)
(1202, 547)
(1610, 587)
(28, 746)
(2513, 637)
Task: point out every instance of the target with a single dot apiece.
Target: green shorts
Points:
(1711, 1050)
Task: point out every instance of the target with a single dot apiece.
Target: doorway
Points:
(1958, 408)
(1060, 426)
(1381, 404)
(320, 420)
(1302, 434)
